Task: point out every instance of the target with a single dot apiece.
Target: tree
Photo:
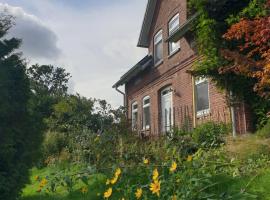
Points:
(251, 53)
(48, 79)
(49, 85)
(19, 128)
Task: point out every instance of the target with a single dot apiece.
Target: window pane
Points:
(158, 52)
(146, 117)
(134, 120)
(147, 101)
(202, 96)
(173, 26)
(173, 46)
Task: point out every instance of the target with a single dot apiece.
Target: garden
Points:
(187, 166)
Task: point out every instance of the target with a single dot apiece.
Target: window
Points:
(173, 26)
(166, 110)
(202, 96)
(146, 113)
(158, 48)
(134, 117)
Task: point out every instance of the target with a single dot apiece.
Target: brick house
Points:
(159, 93)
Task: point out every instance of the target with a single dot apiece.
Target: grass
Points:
(258, 185)
(95, 186)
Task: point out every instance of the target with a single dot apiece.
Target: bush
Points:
(265, 131)
(53, 146)
(210, 134)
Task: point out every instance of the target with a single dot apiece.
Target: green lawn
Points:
(255, 185)
(95, 188)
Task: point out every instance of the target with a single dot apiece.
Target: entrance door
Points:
(166, 110)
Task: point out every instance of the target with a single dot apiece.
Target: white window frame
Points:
(133, 111)
(199, 80)
(158, 39)
(146, 127)
(172, 29)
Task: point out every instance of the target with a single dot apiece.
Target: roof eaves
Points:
(146, 25)
(140, 66)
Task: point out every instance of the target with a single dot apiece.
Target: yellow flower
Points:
(108, 182)
(146, 161)
(189, 158)
(114, 180)
(173, 167)
(174, 197)
(138, 193)
(155, 187)
(84, 190)
(36, 178)
(155, 174)
(108, 193)
(43, 182)
(117, 172)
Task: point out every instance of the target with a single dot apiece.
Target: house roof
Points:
(143, 64)
(146, 26)
(183, 29)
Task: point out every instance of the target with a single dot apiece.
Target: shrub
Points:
(210, 134)
(265, 131)
(54, 144)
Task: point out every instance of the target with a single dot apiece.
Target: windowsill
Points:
(173, 53)
(159, 63)
(203, 113)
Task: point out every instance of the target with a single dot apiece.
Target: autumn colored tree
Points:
(251, 55)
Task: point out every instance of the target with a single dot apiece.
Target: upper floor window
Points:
(158, 48)
(134, 117)
(173, 26)
(202, 96)
(146, 113)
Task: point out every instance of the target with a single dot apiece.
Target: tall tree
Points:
(19, 127)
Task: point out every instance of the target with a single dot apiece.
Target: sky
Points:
(94, 40)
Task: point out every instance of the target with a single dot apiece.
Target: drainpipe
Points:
(124, 97)
(233, 115)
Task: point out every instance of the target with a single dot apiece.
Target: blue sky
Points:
(94, 40)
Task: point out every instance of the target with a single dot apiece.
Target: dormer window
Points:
(173, 26)
(158, 48)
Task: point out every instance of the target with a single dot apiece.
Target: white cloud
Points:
(98, 44)
(39, 41)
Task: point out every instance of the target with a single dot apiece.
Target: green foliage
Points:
(265, 131)
(214, 19)
(210, 134)
(255, 8)
(20, 127)
(48, 79)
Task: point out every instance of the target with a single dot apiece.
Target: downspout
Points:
(194, 103)
(124, 95)
(233, 115)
